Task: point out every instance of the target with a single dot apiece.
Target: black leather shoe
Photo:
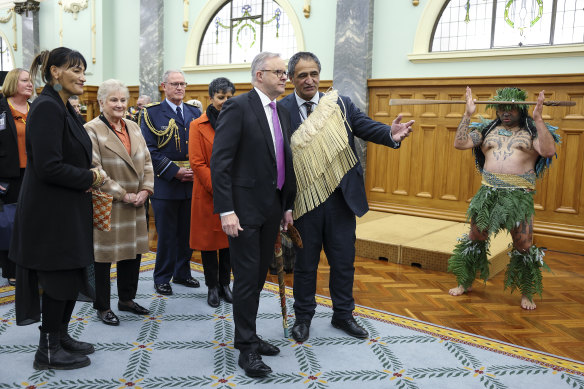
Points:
(351, 327)
(164, 289)
(108, 317)
(213, 297)
(225, 292)
(189, 282)
(134, 308)
(268, 349)
(253, 365)
(301, 330)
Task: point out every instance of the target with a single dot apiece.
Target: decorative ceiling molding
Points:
(185, 15)
(74, 6)
(306, 9)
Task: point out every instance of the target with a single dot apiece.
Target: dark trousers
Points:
(128, 274)
(55, 313)
(251, 253)
(11, 197)
(173, 254)
(217, 270)
(8, 267)
(331, 225)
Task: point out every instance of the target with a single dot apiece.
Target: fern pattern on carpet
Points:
(184, 343)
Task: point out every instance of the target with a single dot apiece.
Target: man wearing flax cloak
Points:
(330, 189)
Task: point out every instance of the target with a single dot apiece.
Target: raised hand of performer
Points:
(470, 103)
(230, 225)
(544, 142)
(399, 131)
(465, 138)
(538, 110)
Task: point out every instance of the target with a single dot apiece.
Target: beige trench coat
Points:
(128, 236)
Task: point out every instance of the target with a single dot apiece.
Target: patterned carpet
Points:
(184, 343)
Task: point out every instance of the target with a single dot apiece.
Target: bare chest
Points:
(504, 145)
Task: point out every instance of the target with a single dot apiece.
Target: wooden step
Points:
(420, 242)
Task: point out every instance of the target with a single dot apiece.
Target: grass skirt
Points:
(491, 210)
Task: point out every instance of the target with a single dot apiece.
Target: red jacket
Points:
(206, 232)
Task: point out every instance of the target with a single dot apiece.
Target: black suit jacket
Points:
(243, 162)
(53, 228)
(9, 160)
(352, 185)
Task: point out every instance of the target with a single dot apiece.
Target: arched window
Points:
(490, 24)
(240, 29)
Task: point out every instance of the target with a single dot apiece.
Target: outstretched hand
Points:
(399, 130)
(538, 110)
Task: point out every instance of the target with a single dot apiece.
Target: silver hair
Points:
(147, 98)
(110, 86)
(259, 62)
(168, 73)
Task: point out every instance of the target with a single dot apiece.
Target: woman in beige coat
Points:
(120, 150)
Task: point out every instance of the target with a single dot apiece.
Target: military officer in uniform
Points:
(165, 127)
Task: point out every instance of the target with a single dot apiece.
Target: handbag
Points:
(7, 213)
(102, 209)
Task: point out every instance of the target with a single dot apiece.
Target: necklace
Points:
(18, 117)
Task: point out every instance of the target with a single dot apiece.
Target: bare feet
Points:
(526, 304)
(459, 290)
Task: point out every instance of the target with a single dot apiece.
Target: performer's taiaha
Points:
(281, 285)
(552, 103)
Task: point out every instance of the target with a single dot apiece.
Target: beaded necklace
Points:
(19, 117)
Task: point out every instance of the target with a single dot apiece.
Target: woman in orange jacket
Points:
(206, 232)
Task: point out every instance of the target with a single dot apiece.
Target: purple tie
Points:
(279, 146)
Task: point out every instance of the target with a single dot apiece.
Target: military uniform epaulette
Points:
(165, 134)
(191, 104)
(152, 104)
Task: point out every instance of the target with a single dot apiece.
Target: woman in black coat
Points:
(14, 106)
(52, 241)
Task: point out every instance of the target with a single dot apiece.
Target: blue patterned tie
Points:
(179, 113)
(280, 163)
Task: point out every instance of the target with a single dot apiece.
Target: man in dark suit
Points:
(253, 191)
(165, 127)
(331, 223)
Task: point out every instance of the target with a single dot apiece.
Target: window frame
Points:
(206, 16)
(424, 34)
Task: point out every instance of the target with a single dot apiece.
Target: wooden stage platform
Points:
(420, 242)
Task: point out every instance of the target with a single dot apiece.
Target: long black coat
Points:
(53, 227)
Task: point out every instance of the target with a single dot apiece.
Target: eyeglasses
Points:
(177, 84)
(278, 73)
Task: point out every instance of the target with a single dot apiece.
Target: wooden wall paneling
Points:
(445, 191)
(426, 152)
(571, 183)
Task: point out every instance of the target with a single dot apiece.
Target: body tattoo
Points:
(462, 131)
